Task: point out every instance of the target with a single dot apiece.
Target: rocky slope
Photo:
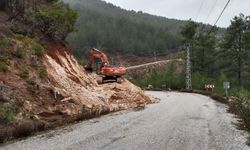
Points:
(42, 86)
(78, 89)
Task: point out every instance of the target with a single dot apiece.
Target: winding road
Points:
(181, 121)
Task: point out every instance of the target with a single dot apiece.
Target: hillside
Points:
(42, 85)
(116, 30)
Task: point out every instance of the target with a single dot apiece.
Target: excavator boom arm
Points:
(95, 53)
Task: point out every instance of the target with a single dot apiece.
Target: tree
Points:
(55, 20)
(120, 31)
(235, 44)
(189, 31)
(202, 41)
(203, 54)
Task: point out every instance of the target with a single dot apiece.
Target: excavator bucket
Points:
(88, 68)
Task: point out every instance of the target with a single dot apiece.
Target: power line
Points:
(211, 10)
(222, 12)
(213, 27)
(202, 3)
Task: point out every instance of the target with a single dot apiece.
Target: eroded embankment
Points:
(79, 90)
(65, 93)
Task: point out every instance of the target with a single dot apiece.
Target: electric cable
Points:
(202, 3)
(222, 13)
(211, 10)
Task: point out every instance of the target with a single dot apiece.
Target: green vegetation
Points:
(31, 81)
(55, 20)
(163, 78)
(116, 30)
(214, 60)
(236, 50)
(32, 86)
(42, 72)
(27, 41)
(20, 52)
(4, 64)
(7, 115)
(24, 71)
(241, 104)
(104, 25)
(3, 67)
(4, 42)
(38, 49)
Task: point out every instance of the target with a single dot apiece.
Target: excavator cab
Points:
(96, 68)
(88, 68)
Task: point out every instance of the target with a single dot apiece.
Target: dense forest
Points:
(214, 58)
(116, 30)
(223, 57)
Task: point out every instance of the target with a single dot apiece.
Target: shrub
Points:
(27, 41)
(42, 72)
(32, 86)
(19, 129)
(24, 71)
(3, 67)
(6, 114)
(162, 78)
(31, 82)
(38, 49)
(4, 42)
(241, 104)
(5, 133)
(25, 128)
(4, 64)
(20, 52)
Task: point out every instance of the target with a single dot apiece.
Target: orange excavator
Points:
(106, 72)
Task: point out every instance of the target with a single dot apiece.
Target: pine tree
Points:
(235, 45)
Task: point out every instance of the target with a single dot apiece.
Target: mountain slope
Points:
(43, 86)
(116, 30)
(53, 89)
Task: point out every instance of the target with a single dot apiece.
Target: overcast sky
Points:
(185, 9)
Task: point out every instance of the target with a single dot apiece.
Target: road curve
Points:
(181, 121)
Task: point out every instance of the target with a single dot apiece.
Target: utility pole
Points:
(188, 69)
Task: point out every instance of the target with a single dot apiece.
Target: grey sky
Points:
(185, 9)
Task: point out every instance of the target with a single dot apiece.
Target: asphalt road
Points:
(181, 121)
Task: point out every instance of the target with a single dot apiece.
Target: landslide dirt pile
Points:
(79, 91)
